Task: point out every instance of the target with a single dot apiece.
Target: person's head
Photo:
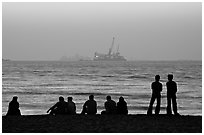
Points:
(170, 77)
(108, 97)
(91, 97)
(61, 99)
(69, 98)
(157, 78)
(121, 99)
(15, 98)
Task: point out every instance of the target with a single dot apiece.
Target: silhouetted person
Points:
(71, 108)
(90, 106)
(122, 106)
(171, 95)
(13, 108)
(59, 108)
(110, 106)
(156, 94)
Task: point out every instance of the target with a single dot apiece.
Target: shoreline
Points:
(139, 123)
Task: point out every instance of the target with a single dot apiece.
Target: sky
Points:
(144, 31)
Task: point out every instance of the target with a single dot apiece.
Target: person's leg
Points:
(169, 105)
(174, 104)
(149, 111)
(157, 110)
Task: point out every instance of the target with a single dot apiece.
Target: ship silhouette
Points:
(111, 56)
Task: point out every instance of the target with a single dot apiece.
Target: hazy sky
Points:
(144, 31)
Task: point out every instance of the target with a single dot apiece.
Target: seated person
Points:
(71, 108)
(90, 106)
(110, 106)
(13, 108)
(122, 106)
(59, 108)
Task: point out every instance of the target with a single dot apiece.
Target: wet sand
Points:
(101, 124)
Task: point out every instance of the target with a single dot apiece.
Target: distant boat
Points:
(6, 60)
(111, 56)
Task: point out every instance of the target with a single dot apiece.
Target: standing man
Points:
(171, 95)
(156, 94)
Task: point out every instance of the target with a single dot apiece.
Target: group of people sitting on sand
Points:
(69, 108)
(90, 106)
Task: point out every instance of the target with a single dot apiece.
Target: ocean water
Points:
(38, 84)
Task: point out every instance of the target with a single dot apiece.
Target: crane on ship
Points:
(110, 50)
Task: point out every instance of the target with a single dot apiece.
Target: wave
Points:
(189, 77)
(138, 76)
(44, 71)
(108, 76)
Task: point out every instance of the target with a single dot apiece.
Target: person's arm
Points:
(85, 104)
(167, 86)
(74, 107)
(84, 108)
(175, 87)
(105, 105)
(161, 87)
(95, 107)
(51, 108)
(48, 110)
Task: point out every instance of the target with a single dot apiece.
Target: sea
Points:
(38, 84)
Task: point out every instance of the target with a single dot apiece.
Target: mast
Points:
(110, 50)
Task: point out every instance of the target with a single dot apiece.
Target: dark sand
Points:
(102, 124)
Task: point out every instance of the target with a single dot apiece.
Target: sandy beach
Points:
(101, 124)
